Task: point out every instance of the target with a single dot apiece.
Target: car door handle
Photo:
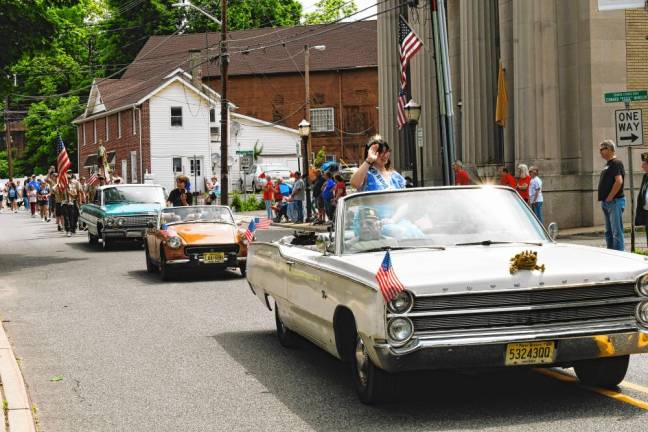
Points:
(290, 263)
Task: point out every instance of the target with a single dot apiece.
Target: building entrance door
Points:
(196, 173)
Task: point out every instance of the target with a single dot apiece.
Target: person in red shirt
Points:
(268, 196)
(524, 180)
(506, 179)
(461, 176)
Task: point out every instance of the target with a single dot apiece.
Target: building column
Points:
(535, 57)
(478, 31)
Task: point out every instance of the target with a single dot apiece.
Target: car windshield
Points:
(437, 218)
(216, 214)
(134, 194)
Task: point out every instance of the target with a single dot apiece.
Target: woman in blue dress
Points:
(375, 174)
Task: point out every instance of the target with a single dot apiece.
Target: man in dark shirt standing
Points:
(610, 193)
(180, 196)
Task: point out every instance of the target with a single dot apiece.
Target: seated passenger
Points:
(369, 232)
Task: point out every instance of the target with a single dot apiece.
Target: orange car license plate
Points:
(213, 257)
(529, 353)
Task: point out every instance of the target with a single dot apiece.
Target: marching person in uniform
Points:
(59, 197)
(641, 216)
(73, 200)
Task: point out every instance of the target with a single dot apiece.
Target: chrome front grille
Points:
(137, 221)
(199, 250)
(524, 308)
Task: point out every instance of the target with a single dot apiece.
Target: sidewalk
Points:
(598, 229)
(16, 406)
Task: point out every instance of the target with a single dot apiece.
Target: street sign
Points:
(244, 152)
(629, 127)
(626, 96)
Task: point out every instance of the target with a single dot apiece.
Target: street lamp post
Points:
(307, 49)
(413, 113)
(304, 132)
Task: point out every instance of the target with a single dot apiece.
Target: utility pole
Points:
(8, 136)
(224, 121)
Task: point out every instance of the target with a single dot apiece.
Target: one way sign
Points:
(629, 127)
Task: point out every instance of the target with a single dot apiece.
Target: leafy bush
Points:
(237, 203)
(320, 157)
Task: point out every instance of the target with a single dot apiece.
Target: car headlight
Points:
(641, 313)
(174, 242)
(400, 330)
(402, 303)
(121, 222)
(642, 285)
(110, 222)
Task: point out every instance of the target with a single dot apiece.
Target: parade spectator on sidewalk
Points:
(12, 195)
(524, 179)
(328, 194)
(180, 196)
(318, 183)
(268, 197)
(298, 195)
(506, 179)
(610, 193)
(535, 193)
(641, 215)
(375, 173)
(25, 195)
(461, 176)
(19, 189)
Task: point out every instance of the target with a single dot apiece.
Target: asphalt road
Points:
(200, 354)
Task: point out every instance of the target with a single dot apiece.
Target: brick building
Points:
(269, 84)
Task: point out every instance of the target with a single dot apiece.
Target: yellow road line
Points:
(605, 392)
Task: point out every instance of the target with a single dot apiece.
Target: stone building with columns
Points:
(559, 57)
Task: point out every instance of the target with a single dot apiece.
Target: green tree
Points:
(45, 121)
(330, 10)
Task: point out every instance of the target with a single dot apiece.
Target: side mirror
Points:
(553, 230)
(150, 224)
(323, 243)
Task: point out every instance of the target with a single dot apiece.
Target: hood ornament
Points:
(526, 260)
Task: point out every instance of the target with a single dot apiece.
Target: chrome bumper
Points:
(471, 351)
(199, 261)
(124, 233)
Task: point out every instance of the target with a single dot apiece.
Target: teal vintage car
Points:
(121, 212)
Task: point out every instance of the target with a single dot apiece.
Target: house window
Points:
(107, 128)
(177, 165)
(322, 120)
(195, 167)
(176, 116)
(212, 115)
(215, 133)
(119, 125)
(134, 128)
(133, 156)
(94, 124)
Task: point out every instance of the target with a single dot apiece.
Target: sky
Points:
(309, 6)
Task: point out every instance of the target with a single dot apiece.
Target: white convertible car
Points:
(485, 286)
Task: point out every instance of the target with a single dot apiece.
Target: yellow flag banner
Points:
(502, 98)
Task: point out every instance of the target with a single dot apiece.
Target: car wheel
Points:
(165, 271)
(150, 266)
(287, 338)
(92, 239)
(603, 372)
(105, 242)
(372, 384)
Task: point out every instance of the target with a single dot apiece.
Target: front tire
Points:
(372, 384)
(105, 242)
(150, 266)
(165, 271)
(93, 240)
(603, 372)
(287, 338)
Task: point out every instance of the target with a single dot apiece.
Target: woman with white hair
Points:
(524, 179)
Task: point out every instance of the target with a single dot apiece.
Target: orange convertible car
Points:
(194, 236)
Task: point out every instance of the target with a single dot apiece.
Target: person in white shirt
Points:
(535, 193)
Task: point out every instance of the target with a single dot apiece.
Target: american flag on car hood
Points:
(388, 283)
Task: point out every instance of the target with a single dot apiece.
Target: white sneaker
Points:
(69, 234)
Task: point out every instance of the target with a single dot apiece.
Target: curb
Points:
(19, 411)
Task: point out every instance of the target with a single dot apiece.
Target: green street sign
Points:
(244, 152)
(626, 96)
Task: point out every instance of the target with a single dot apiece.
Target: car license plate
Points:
(134, 234)
(530, 353)
(213, 257)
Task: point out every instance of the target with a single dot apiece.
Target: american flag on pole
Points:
(408, 44)
(93, 179)
(388, 283)
(262, 223)
(249, 232)
(62, 162)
